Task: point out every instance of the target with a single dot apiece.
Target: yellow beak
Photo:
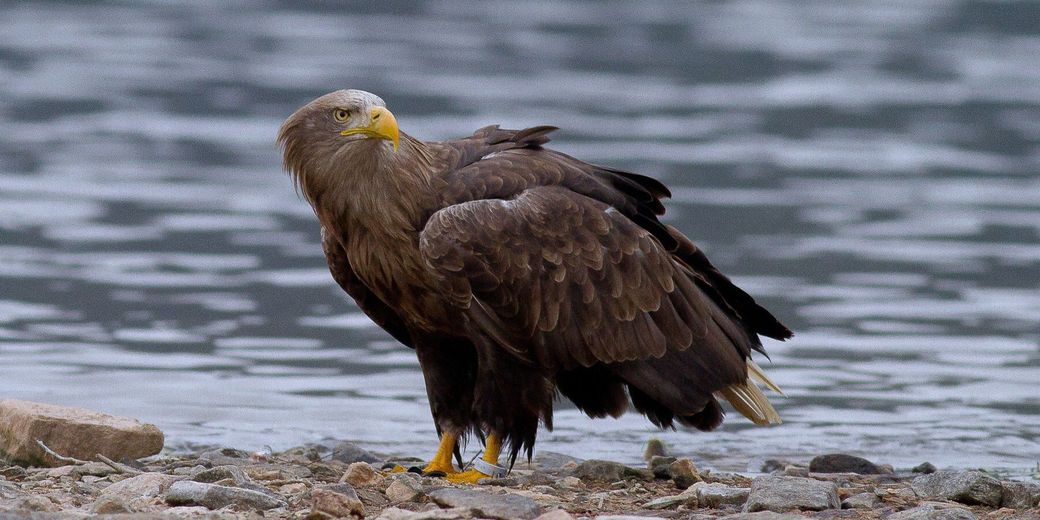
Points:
(382, 125)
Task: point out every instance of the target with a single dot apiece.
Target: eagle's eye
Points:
(341, 115)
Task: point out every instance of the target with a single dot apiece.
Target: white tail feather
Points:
(756, 373)
(749, 400)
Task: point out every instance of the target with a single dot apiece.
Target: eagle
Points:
(519, 274)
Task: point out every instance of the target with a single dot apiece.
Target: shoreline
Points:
(347, 481)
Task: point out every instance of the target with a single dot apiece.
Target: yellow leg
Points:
(442, 459)
(492, 449)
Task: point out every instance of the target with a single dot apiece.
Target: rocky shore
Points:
(346, 481)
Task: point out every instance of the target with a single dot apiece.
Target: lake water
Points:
(868, 172)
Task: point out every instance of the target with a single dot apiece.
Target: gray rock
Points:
(966, 487)
(924, 467)
(843, 463)
(393, 513)
(72, 432)
(607, 471)
(772, 465)
(628, 517)
(486, 505)
(671, 501)
(218, 473)
(780, 494)
(551, 461)
(350, 453)
(146, 485)
(33, 503)
(930, 512)
(93, 469)
(404, 490)
(795, 471)
(226, 456)
(763, 515)
(555, 514)
(861, 501)
(1020, 495)
(716, 495)
(661, 466)
(188, 492)
(337, 500)
(109, 505)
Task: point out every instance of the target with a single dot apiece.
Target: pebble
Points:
(780, 494)
(671, 501)
(608, 471)
(404, 490)
(966, 487)
(552, 461)
(146, 485)
(654, 448)
(660, 466)
(555, 514)
(684, 473)
(763, 515)
(394, 513)
(349, 453)
(108, 505)
(294, 488)
(486, 505)
(188, 492)
(361, 474)
(218, 473)
(338, 501)
(844, 463)
(716, 495)
(570, 483)
(924, 467)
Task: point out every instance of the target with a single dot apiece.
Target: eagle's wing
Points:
(372, 306)
(567, 281)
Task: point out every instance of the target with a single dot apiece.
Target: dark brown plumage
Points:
(517, 272)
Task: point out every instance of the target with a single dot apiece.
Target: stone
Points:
(93, 469)
(781, 494)
(607, 471)
(487, 505)
(218, 473)
(795, 471)
(930, 512)
(34, 503)
(9, 491)
(394, 513)
(552, 461)
(771, 465)
(349, 453)
(717, 495)
(661, 466)
(570, 483)
(404, 490)
(763, 515)
(361, 474)
(293, 488)
(110, 505)
(627, 517)
(684, 473)
(844, 463)
(966, 487)
(555, 514)
(861, 501)
(671, 501)
(71, 432)
(654, 448)
(338, 501)
(226, 456)
(141, 486)
(1019, 495)
(277, 471)
(924, 467)
(189, 492)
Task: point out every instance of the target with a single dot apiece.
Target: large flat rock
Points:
(71, 432)
(782, 494)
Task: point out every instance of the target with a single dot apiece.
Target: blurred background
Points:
(868, 171)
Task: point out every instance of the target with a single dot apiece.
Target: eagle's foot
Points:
(439, 468)
(470, 476)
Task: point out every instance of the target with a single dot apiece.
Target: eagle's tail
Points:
(749, 400)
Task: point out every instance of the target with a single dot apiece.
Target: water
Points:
(868, 172)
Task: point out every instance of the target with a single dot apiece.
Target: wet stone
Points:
(684, 473)
(660, 466)
(486, 505)
(967, 487)
(844, 463)
(780, 494)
